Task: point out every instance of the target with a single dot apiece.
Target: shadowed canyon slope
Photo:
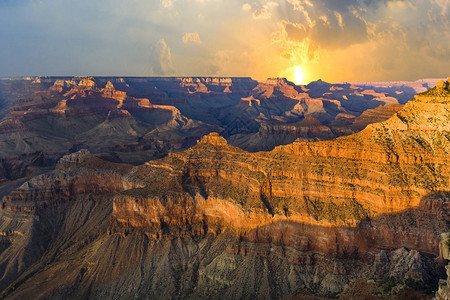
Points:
(215, 221)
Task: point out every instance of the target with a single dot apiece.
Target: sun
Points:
(298, 75)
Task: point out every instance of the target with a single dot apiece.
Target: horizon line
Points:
(33, 77)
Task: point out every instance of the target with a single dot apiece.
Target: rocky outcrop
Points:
(376, 115)
(310, 129)
(76, 174)
(443, 292)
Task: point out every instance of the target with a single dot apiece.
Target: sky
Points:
(334, 40)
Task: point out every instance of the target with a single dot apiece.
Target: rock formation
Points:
(138, 119)
(308, 218)
(311, 217)
(444, 285)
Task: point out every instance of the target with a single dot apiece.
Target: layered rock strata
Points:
(217, 221)
(389, 181)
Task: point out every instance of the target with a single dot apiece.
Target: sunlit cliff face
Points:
(355, 40)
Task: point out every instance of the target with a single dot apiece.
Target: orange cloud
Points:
(191, 37)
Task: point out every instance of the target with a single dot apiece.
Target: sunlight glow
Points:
(298, 75)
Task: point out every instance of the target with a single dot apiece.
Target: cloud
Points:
(389, 40)
(161, 59)
(191, 37)
(326, 27)
(246, 7)
(167, 3)
(333, 40)
(264, 11)
(296, 32)
(220, 62)
(261, 13)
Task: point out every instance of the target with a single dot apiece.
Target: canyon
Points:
(139, 119)
(200, 188)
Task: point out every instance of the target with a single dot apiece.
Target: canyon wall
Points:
(308, 218)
